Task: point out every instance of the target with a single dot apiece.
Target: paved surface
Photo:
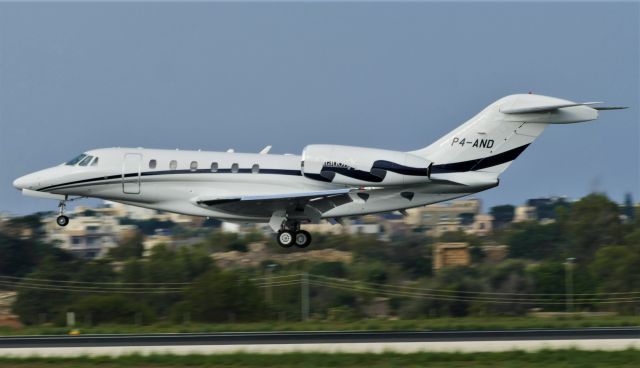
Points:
(319, 337)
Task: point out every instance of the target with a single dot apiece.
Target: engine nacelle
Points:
(363, 166)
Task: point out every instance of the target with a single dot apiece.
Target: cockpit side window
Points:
(76, 159)
(95, 162)
(85, 161)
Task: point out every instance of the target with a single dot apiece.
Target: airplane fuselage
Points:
(171, 180)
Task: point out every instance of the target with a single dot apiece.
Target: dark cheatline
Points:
(480, 163)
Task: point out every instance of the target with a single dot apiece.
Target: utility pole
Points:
(269, 291)
(304, 296)
(569, 283)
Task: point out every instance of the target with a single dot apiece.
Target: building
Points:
(525, 213)
(482, 225)
(450, 255)
(89, 235)
(452, 215)
(445, 227)
(494, 253)
(7, 318)
(161, 236)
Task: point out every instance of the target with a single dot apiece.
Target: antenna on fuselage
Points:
(265, 150)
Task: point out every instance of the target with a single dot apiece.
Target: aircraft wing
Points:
(266, 205)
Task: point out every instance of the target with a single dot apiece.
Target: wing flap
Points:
(213, 201)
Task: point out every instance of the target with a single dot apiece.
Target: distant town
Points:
(94, 231)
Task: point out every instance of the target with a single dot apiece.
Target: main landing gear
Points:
(292, 235)
(62, 220)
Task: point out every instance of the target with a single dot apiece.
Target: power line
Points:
(465, 298)
(93, 282)
(53, 288)
(468, 292)
(319, 280)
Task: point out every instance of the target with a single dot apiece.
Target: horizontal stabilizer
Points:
(542, 108)
(611, 107)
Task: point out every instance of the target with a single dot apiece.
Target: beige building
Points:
(482, 225)
(450, 255)
(525, 213)
(446, 213)
(87, 236)
(154, 240)
(445, 227)
(494, 253)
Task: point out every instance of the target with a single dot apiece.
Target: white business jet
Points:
(326, 182)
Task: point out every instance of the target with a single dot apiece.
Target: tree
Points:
(35, 304)
(616, 267)
(222, 296)
(629, 209)
(532, 240)
(130, 246)
(112, 309)
(17, 256)
(592, 222)
(330, 269)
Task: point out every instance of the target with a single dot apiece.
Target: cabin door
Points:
(131, 166)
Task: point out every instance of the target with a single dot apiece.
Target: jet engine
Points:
(363, 166)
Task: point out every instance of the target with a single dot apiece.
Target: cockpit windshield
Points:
(83, 160)
(76, 159)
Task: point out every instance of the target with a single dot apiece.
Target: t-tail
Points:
(489, 142)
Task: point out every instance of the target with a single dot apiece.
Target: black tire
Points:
(285, 238)
(62, 220)
(302, 239)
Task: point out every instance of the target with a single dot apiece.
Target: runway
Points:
(321, 341)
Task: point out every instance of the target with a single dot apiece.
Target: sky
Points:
(213, 76)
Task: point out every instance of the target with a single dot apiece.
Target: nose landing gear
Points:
(62, 220)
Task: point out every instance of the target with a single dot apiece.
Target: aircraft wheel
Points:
(62, 220)
(285, 238)
(303, 239)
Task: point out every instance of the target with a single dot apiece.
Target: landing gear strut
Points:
(290, 235)
(62, 220)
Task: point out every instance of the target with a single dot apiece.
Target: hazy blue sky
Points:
(212, 76)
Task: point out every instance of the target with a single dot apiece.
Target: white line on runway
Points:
(398, 347)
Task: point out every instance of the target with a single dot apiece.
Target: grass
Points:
(519, 359)
(465, 323)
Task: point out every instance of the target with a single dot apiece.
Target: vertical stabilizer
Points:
(492, 139)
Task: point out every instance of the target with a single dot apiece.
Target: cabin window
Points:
(255, 169)
(193, 166)
(95, 162)
(234, 168)
(85, 161)
(173, 164)
(153, 164)
(214, 166)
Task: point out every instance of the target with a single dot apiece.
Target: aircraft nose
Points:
(26, 182)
